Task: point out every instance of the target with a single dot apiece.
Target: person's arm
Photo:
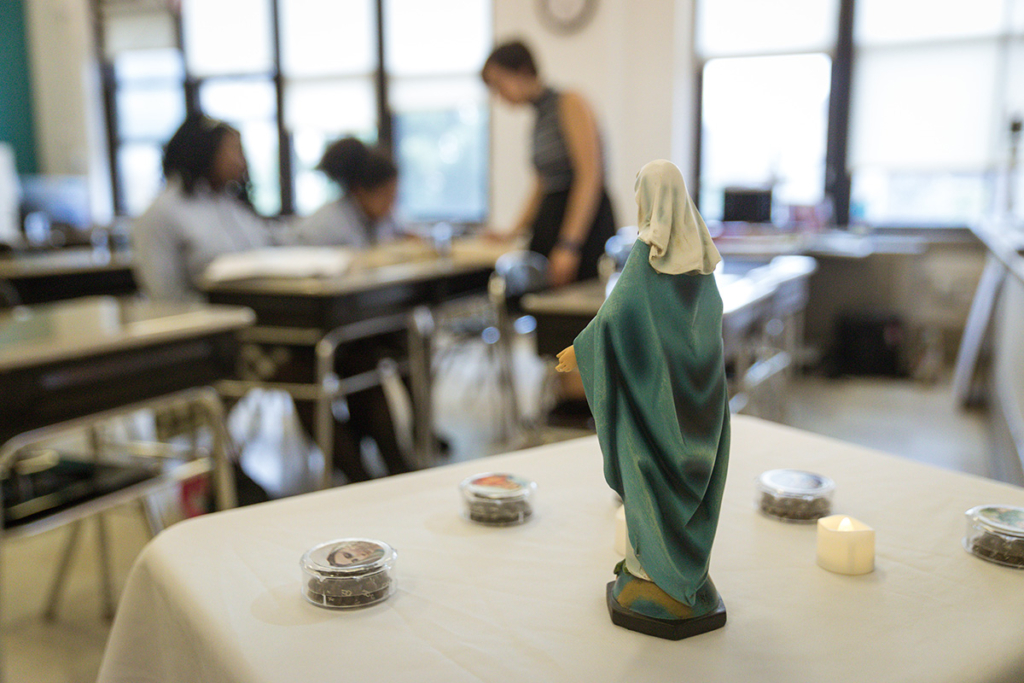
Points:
(529, 212)
(526, 215)
(332, 225)
(584, 146)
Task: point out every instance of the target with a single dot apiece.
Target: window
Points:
(765, 122)
(328, 92)
(914, 130)
(440, 105)
(933, 94)
(150, 107)
(765, 94)
(295, 75)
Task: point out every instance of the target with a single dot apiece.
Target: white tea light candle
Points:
(845, 545)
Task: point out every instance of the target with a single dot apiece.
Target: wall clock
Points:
(566, 16)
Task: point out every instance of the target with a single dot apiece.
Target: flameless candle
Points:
(845, 545)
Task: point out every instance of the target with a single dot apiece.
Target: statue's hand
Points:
(566, 360)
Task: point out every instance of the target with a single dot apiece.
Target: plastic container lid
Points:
(795, 495)
(996, 533)
(498, 498)
(1004, 519)
(795, 483)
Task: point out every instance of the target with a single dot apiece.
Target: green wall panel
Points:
(15, 86)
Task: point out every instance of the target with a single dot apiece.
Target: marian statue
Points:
(652, 366)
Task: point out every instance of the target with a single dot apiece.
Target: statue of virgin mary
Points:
(652, 367)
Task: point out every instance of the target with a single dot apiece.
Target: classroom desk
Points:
(990, 360)
(304, 325)
(389, 279)
(562, 313)
(73, 364)
(217, 598)
(758, 358)
(64, 360)
(57, 274)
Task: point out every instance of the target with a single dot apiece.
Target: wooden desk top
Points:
(62, 262)
(585, 298)
(35, 335)
(1006, 243)
(402, 262)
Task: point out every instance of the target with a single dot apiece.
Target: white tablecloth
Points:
(218, 598)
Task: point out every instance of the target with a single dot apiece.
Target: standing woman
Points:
(363, 215)
(569, 212)
(203, 211)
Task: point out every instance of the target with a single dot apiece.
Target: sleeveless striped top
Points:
(550, 151)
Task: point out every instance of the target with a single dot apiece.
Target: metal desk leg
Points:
(421, 332)
(205, 400)
(328, 385)
(57, 587)
(102, 542)
(224, 477)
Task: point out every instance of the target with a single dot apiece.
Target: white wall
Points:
(633, 63)
(67, 98)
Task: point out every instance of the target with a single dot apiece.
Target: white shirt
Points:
(342, 223)
(179, 235)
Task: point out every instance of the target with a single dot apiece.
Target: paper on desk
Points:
(280, 262)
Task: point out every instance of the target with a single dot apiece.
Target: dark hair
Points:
(190, 152)
(514, 56)
(353, 165)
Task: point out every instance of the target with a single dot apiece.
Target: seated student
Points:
(362, 216)
(203, 211)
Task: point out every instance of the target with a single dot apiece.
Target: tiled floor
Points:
(900, 417)
(68, 649)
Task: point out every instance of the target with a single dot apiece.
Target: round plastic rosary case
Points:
(497, 498)
(996, 533)
(794, 495)
(348, 573)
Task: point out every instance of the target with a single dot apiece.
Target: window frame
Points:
(385, 123)
(839, 177)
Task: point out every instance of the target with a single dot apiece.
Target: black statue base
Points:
(670, 629)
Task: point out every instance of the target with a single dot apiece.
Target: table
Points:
(303, 324)
(752, 296)
(74, 365)
(382, 280)
(562, 313)
(53, 275)
(218, 598)
(66, 360)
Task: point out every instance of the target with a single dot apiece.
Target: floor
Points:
(902, 417)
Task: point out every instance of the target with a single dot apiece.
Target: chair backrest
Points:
(523, 272)
(619, 245)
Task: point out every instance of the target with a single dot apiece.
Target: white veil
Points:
(670, 224)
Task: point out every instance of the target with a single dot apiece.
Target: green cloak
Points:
(653, 370)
